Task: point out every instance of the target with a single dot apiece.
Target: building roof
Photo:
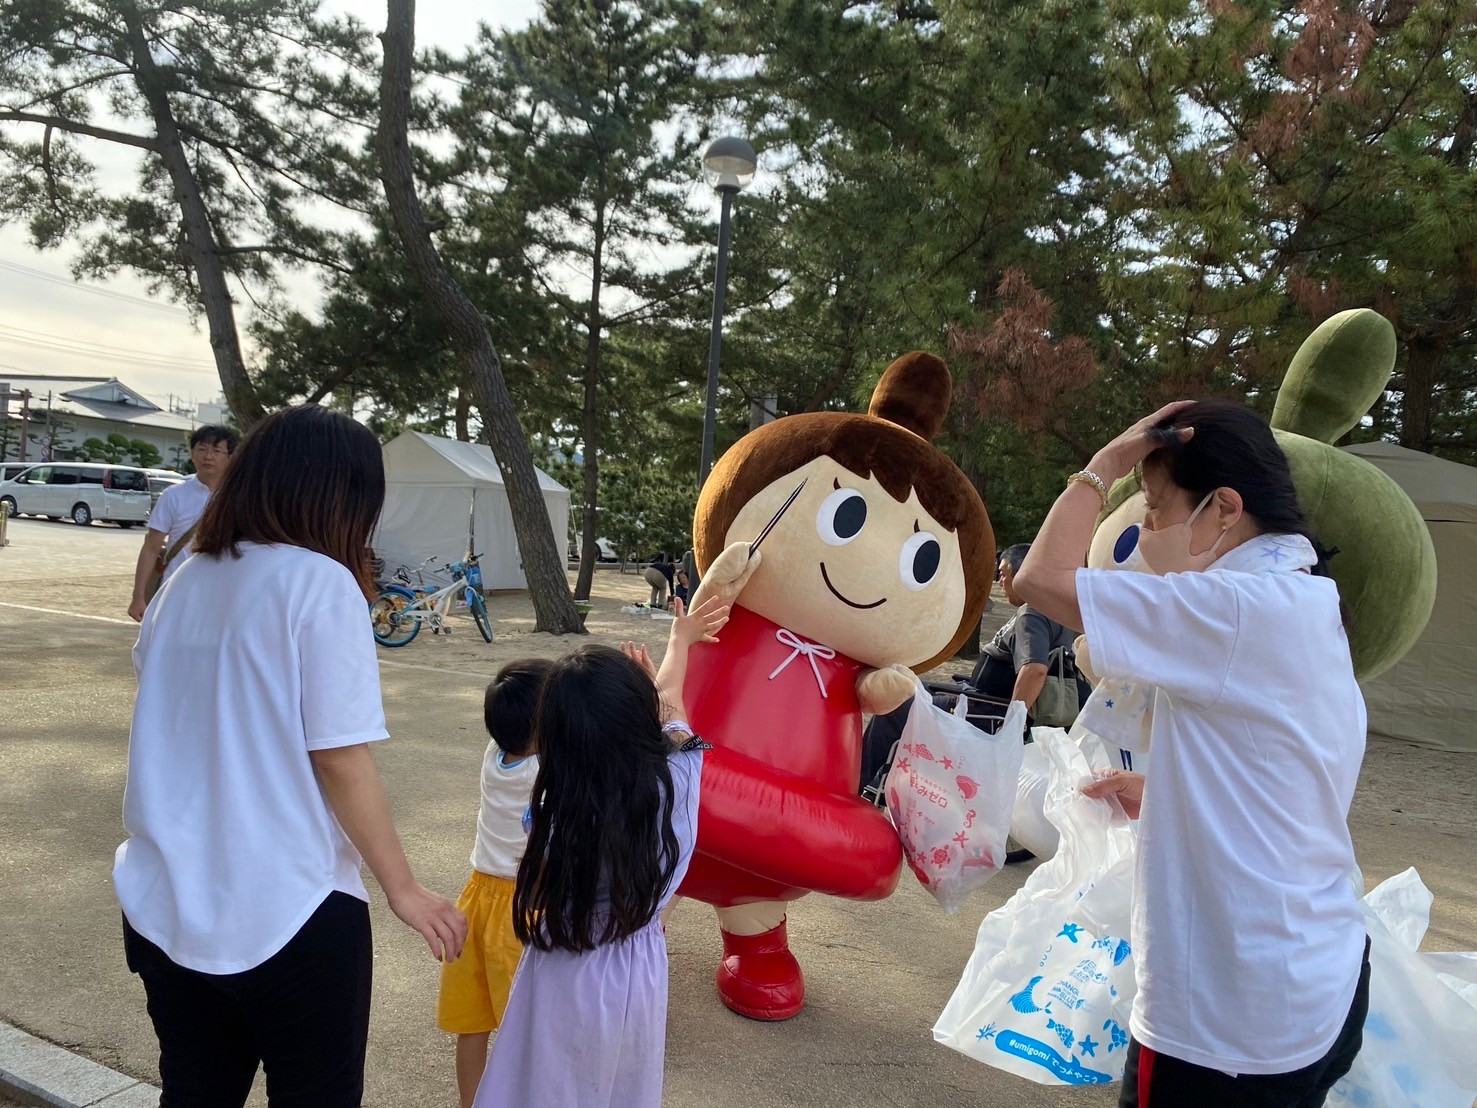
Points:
(104, 398)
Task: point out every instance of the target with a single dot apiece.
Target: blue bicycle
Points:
(401, 607)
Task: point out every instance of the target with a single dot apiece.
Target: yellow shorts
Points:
(474, 988)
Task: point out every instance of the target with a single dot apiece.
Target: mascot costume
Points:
(1382, 557)
(876, 560)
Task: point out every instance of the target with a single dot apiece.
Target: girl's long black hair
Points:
(602, 849)
(1234, 448)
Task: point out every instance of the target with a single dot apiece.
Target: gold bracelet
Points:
(1088, 477)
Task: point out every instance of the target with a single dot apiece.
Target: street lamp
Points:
(728, 165)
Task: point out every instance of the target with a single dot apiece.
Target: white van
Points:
(9, 470)
(80, 491)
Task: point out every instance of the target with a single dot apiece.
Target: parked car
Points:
(604, 550)
(80, 491)
(9, 470)
(159, 480)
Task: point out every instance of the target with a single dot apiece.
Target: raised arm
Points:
(702, 624)
(1047, 580)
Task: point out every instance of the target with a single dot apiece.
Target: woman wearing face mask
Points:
(1248, 934)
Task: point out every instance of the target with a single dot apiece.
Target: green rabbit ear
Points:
(1336, 375)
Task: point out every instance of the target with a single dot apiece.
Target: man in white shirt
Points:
(172, 521)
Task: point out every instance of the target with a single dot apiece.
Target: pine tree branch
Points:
(72, 126)
(283, 250)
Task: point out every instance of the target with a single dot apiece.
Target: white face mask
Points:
(1168, 549)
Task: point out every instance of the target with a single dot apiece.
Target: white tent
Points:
(432, 485)
(1430, 696)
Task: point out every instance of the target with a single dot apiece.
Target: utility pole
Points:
(50, 443)
(25, 422)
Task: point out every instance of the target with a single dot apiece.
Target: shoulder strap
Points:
(179, 543)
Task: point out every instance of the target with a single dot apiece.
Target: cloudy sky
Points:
(50, 324)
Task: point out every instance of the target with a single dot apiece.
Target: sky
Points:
(50, 324)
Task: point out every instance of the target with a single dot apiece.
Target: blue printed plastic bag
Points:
(1049, 988)
(1422, 1020)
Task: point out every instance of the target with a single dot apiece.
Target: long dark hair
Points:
(1234, 448)
(305, 476)
(602, 849)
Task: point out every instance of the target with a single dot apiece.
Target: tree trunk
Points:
(1421, 360)
(543, 566)
(199, 240)
(463, 414)
(591, 432)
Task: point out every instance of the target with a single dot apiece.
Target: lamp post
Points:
(728, 165)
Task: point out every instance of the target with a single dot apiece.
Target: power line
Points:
(143, 361)
(96, 290)
(89, 347)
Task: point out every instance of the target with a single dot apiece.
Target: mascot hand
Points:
(1084, 659)
(729, 573)
(880, 691)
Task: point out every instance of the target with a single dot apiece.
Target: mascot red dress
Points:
(880, 566)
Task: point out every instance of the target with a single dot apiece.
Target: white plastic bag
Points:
(950, 792)
(1048, 991)
(1028, 823)
(1422, 1021)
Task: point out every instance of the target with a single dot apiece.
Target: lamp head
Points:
(729, 163)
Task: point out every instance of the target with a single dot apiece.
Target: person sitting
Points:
(1013, 666)
(1015, 663)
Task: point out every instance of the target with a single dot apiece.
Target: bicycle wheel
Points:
(478, 607)
(390, 627)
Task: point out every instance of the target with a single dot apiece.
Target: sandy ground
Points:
(878, 974)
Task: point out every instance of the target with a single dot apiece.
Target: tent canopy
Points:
(1445, 492)
(438, 491)
(1430, 696)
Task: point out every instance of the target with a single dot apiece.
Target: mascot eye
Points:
(920, 559)
(842, 516)
(1127, 543)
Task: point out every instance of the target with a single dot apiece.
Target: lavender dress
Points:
(590, 1030)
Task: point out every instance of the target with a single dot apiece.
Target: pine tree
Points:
(1291, 162)
(559, 124)
(241, 111)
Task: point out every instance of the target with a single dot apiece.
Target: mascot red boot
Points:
(880, 566)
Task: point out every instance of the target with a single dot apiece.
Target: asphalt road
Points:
(878, 974)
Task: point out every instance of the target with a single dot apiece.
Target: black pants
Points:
(303, 1015)
(1154, 1080)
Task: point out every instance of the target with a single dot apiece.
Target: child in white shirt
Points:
(474, 988)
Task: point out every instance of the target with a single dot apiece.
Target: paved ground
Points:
(879, 974)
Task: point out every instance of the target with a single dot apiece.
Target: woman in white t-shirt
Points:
(1248, 935)
(251, 791)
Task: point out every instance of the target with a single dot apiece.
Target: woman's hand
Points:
(1118, 458)
(438, 920)
(639, 655)
(702, 624)
(1126, 787)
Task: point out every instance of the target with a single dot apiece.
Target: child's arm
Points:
(700, 625)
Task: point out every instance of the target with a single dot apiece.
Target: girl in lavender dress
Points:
(614, 814)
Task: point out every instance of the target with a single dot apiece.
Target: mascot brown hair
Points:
(880, 566)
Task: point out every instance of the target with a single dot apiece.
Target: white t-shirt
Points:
(180, 508)
(244, 666)
(502, 833)
(1247, 929)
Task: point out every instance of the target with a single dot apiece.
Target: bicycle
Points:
(401, 607)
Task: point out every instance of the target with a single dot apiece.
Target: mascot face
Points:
(876, 578)
(887, 554)
(1115, 543)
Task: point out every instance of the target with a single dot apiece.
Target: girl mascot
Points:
(881, 565)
